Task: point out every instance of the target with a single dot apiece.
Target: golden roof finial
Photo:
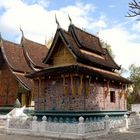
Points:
(58, 25)
(21, 31)
(70, 19)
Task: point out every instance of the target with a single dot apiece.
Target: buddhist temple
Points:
(17, 60)
(79, 79)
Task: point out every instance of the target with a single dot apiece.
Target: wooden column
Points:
(23, 99)
(32, 93)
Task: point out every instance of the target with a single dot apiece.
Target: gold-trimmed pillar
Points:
(80, 85)
(108, 87)
(32, 93)
(122, 91)
(23, 96)
(72, 87)
(64, 84)
(88, 86)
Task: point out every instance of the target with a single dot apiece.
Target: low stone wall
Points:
(83, 129)
(135, 107)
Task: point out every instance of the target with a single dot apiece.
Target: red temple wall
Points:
(8, 87)
(98, 101)
(53, 97)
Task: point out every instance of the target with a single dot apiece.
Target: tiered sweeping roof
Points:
(15, 55)
(34, 52)
(90, 57)
(86, 51)
(33, 59)
(85, 40)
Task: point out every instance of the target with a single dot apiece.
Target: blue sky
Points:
(36, 18)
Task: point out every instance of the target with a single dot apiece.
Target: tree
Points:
(135, 78)
(122, 71)
(134, 9)
(108, 47)
(48, 42)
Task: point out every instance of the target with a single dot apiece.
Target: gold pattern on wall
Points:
(107, 88)
(88, 86)
(72, 87)
(63, 56)
(81, 85)
(64, 84)
(125, 95)
(122, 91)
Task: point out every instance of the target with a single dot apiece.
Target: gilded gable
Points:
(62, 56)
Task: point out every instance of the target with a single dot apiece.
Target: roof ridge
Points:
(84, 31)
(17, 44)
(64, 30)
(23, 37)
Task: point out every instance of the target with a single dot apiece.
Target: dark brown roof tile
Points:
(13, 54)
(35, 52)
(88, 57)
(85, 39)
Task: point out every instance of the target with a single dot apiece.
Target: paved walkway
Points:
(129, 135)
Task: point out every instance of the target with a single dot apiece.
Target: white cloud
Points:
(43, 3)
(111, 6)
(136, 27)
(36, 21)
(124, 46)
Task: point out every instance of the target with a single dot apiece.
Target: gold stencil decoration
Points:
(81, 85)
(107, 88)
(88, 86)
(64, 84)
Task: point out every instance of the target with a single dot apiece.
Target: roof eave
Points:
(79, 69)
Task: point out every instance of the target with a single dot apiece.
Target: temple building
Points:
(80, 78)
(17, 60)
